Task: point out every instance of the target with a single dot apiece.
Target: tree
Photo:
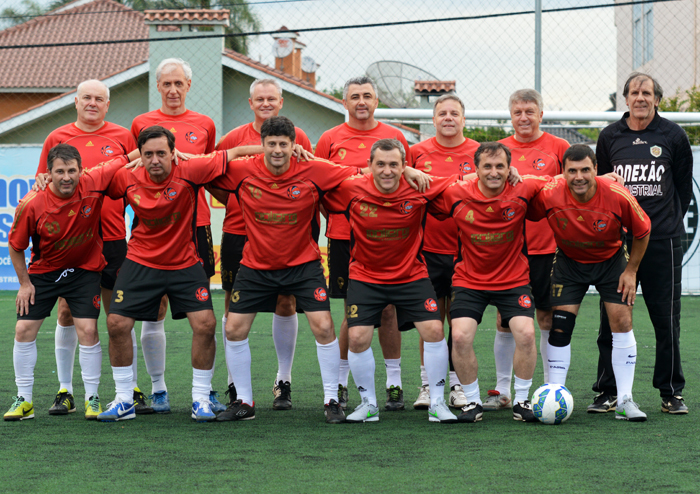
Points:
(688, 100)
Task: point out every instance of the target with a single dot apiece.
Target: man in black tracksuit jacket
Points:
(653, 156)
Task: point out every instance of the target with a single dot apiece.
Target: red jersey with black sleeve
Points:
(246, 135)
(281, 212)
(590, 232)
(194, 134)
(432, 158)
(490, 232)
(65, 232)
(110, 141)
(351, 147)
(541, 157)
(164, 231)
(387, 229)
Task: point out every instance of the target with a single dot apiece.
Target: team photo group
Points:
(417, 236)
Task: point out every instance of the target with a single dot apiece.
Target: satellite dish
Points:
(282, 47)
(309, 65)
(395, 82)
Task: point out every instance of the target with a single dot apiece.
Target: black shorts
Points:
(467, 302)
(441, 267)
(205, 249)
(115, 253)
(80, 288)
(540, 275)
(571, 279)
(138, 291)
(256, 290)
(231, 255)
(414, 301)
(338, 267)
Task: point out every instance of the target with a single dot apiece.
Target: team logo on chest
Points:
(465, 167)
(538, 164)
(107, 151)
(85, 211)
(191, 137)
(170, 194)
(524, 301)
(431, 305)
(406, 207)
(202, 294)
(508, 214)
(600, 225)
(655, 151)
(294, 192)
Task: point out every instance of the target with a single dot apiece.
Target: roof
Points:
(436, 87)
(186, 16)
(67, 66)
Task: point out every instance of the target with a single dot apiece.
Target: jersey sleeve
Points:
(438, 186)
(48, 144)
(403, 141)
(136, 128)
(204, 169)
(24, 223)
(602, 152)
(211, 138)
(119, 183)
(683, 169)
(100, 176)
(441, 207)
(303, 140)
(336, 201)
(329, 175)
(633, 216)
(323, 147)
(236, 171)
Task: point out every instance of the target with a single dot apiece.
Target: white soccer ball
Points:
(552, 403)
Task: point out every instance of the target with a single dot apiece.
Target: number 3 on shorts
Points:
(120, 296)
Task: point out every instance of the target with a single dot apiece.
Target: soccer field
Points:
(296, 451)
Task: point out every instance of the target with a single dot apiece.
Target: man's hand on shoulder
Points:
(417, 179)
(302, 154)
(41, 181)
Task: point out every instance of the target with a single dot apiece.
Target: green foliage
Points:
(681, 101)
(592, 134)
(486, 134)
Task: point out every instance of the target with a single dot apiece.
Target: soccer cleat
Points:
(342, 396)
(275, 389)
(283, 400)
(160, 402)
(232, 395)
(603, 403)
(471, 413)
(334, 413)
(201, 411)
(394, 399)
(673, 405)
(440, 413)
(93, 408)
(629, 410)
(20, 410)
(496, 401)
(63, 404)
(237, 411)
(423, 401)
(118, 410)
(140, 404)
(216, 405)
(364, 412)
(457, 398)
(522, 410)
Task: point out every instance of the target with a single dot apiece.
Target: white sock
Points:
(153, 347)
(284, 334)
(393, 372)
(134, 362)
(423, 376)
(238, 362)
(503, 351)
(559, 361)
(362, 366)
(624, 360)
(343, 372)
(544, 339)
(329, 361)
(223, 334)
(91, 367)
(471, 391)
(66, 340)
(522, 389)
(454, 380)
(201, 384)
(122, 381)
(24, 358)
(213, 364)
(435, 355)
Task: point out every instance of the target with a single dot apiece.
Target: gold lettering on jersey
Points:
(119, 297)
(492, 238)
(593, 244)
(428, 166)
(368, 210)
(236, 296)
(580, 218)
(171, 219)
(389, 234)
(157, 195)
(489, 210)
(72, 213)
(361, 146)
(387, 204)
(449, 159)
(562, 222)
(342, 153)
(89, 144)
(174, 131)
(470, 216)
(276, 218)
(341, 282)
(137, 199)
(67, 243)
(53, 227)
(274, 186)
(522, 158)
(557, 289)
(351, 311)
(255, 192)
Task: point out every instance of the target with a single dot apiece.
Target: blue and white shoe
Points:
(118, 410)
(201, 411)
(216, 405)
(160, 402)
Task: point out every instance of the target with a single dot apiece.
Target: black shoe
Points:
(237, 411)
(471, 413)
(232, 395)
(283, 401)
(63, 404)
(602, 403)
(334, 414)
(522, 410)
(342, 396)
(394, 399)
(140, 403)
(673, 405)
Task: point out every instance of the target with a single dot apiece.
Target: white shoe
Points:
(629, 410)
(457, 398)
(365, 412)
(423, 401)
(496, 401)
(440, 413)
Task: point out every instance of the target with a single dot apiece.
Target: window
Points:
(642, 34)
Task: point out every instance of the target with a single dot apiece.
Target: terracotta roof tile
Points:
(186, 15)
(434, 86)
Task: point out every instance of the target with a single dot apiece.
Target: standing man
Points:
(96, 141)
(265, 101)
(349, 144)
(448, 153)
(194, 134)
(653, 156)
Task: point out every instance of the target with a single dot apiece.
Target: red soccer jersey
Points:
(194, 134)
(246, 135)
(592, 231)
(110, 141)
(164, 234)
(387, 229)
(65, 232)
(434, 159)
(490, 232)
(347, 146)
(541, 157)
(281, 211)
